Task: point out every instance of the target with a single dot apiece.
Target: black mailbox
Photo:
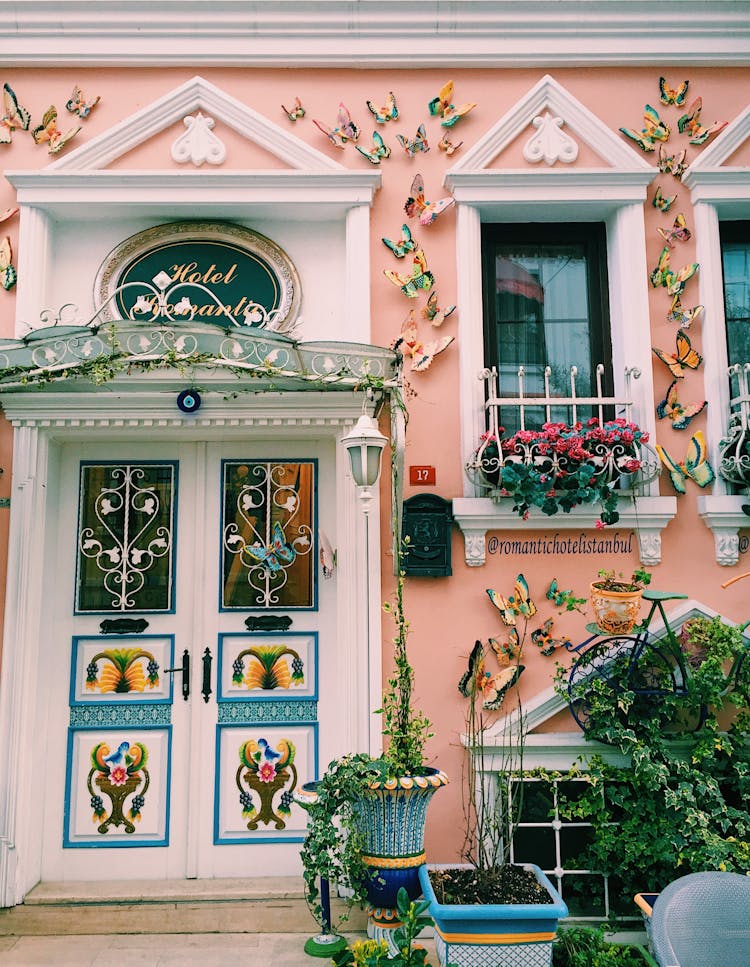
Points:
(427, 522)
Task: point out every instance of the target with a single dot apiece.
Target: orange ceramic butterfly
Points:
(448, 146)
(518, 603)
(428, 211)
(679, 232)
(685, 358)
(421, 353)
(48, 131)
(510, 651)
(691, 122)
(680, 414)
(675, 96)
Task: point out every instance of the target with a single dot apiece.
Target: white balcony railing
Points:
(734, 448)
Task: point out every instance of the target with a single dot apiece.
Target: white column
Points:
(33, 267)
(357, 263)
(470, 331)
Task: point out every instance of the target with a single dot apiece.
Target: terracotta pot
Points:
(616, 612)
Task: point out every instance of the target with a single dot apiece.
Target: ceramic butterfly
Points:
(472, 677)
(509, 651)
(664, 275)
(675, 96)
(542, 638)
(346, 129)
(14, 117)
(679, 414)
(672, 164)
(683, 317)
(79, 105)
(8, 213)
(274, 555)
(48, 131)
(685, 358)
(691, 122)
(418, 144)
(654, 129)
(678, 232)
(327, 555)
(405, 244)
(495, 687)
(379, 149)
(428, 211)
(696, 465)
(296, 112)
(421, 353)
(8, 274)
(389, 111)
(662, 203)
(448, 146)
(442, 106)
(517, 603)
(420, 277)
(434, 313)
(559, 598)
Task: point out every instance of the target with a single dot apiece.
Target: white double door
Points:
(155, 773)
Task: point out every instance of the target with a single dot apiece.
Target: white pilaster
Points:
(470, 331)
(357, 262)
(33, 267)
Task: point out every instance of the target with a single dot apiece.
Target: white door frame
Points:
(42, 422)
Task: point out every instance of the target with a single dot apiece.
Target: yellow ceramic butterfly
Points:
(696, 465)
(420, 277)
(674, 96)
(389, 111)
(683, 317)
(443, 107)
(662, 203)
(8, 275)
(434, 313)
(510, 651)
(496, 687)
(678, 232)
(448, 146)
(517, 603)
(48, 131)
(654, 129)
(685, 358)
(680, 414)
(664, 275)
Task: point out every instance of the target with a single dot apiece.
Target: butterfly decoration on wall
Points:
(683, 317)
(556, 596)
(679, 414)
(654, 129)
(664, 275)
(77, 104)
(434, 313)
(662, 203)
(8, 213)
(327, 555)
(696, 465)
(345, 130)
(427, 211)
(379, 149)
(472, 678)
(448, 146)
(421, 353)
(443, 107)
(685, 358)
(405, 244)
(419, 143)
(508, 651)
(275, 555)
(691, 122)
(496, 687)
(518, 603)
(8, 274)
(49, 132)
(676, 96)
(542, 638)
(296, 112)
(679, 232)
(14, 116)
(420, 278)
(389, 111)
(672, 164)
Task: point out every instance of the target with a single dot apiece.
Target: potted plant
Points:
(561, 466)
(366, 829)
(616, 600)
(489, 911)
(588, 947)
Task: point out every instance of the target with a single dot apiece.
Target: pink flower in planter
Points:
(267, 772)
(118, 775)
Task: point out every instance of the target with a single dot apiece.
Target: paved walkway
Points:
(160, 950)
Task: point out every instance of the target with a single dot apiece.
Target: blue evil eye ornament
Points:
(189, 401)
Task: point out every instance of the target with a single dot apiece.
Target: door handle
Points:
(206, 689)
(185, 669)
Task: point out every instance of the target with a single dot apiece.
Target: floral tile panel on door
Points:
(259, 767)
(268, 535)
(121, 668)
(117, 789)
(270, 666)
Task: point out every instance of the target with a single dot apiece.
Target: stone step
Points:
(258, 905)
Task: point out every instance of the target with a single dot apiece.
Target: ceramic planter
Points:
(495, 935)
(616, 612)
(391, 818)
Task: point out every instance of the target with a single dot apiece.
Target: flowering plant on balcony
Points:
(560, 466)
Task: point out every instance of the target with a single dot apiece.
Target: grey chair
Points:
(703, 920)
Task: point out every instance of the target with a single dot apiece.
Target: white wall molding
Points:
(374, 33)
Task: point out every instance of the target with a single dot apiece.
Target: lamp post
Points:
(365, 443)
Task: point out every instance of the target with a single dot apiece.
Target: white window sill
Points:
(477, 515)
(723, 514)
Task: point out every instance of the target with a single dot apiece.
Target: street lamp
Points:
(365, 443)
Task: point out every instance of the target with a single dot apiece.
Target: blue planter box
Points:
(495, 935)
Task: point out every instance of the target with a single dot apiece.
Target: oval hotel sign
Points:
(206, 271)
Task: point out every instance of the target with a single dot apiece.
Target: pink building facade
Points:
(561, 248)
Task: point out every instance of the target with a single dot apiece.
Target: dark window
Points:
(735, 254)
(545, 298)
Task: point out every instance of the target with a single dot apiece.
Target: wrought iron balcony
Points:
(734, 448)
